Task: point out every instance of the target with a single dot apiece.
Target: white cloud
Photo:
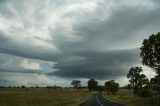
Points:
(30, 65)
(148, 71)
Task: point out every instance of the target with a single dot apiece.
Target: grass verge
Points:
(42, 97)
(126, 97)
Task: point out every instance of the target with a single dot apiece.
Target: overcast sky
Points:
(51, 42)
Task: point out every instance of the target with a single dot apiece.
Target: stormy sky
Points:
(52, 42)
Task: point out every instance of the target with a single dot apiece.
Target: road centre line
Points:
(99, 101)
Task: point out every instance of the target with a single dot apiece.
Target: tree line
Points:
(36, 86)
(110, 86)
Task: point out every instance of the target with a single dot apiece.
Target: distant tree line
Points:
(110, 86)
(36, 86)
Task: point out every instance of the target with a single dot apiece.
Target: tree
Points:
(111, 86)
(76, 84)
(155, 84)
(92, 84)
(100, 88)
(150, 52)
(129, 86)
(138, 82)
(23, 86)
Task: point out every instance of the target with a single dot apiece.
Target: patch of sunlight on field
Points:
(126, 97)
(42, 97)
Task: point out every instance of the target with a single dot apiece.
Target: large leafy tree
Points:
(111, 86)
(92, 84)
(138, 81)
(150, 52)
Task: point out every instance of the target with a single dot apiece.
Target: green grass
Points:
(42, 97)
(126, 97)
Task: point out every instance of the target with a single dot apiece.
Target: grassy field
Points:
(126, 97)
(42, 97)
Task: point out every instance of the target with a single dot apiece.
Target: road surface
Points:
(97, 100)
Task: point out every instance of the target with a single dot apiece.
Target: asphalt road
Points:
(97, 100)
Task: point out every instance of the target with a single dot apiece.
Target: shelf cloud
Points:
(74, 39)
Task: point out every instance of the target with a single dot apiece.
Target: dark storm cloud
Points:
(113, 33)
(100, 65)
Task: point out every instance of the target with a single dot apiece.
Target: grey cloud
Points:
(11, 64)
(22, 70)
(100, 65)
(8, 83)
(8, 46)
(117, 31)
(3, 39)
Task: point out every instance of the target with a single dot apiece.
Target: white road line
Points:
(99, 102)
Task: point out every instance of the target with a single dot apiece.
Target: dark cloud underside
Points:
(101, 65)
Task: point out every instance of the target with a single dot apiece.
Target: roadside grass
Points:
(42, 97)
(126, 97)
